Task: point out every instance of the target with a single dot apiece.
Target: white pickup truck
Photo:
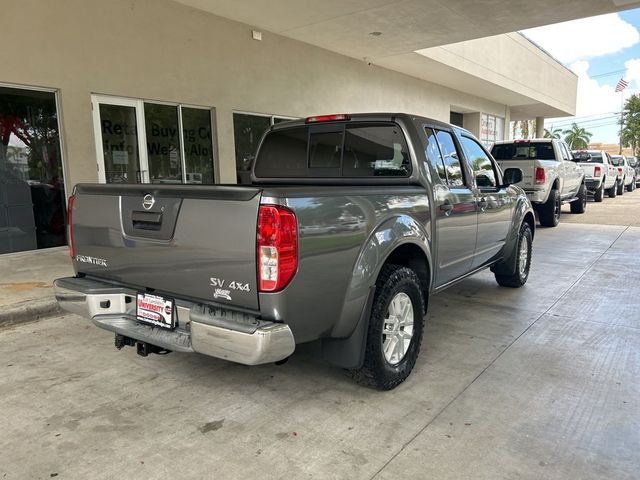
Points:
(550, 177)
(600, 174)
(626, 174)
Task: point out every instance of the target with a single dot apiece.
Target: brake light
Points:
(328, 118)
(540, 176)
(277, 247)
(72, 248)
(596, 171)
(619, 169)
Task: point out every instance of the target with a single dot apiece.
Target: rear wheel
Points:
(395, 329)
(522, 260)
(621, 187)
(631, 186)
(549, 212)
(599, 193)
(613, 190)
(580, 205)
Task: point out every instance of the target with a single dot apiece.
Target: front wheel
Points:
(580, 205)
(522, 259)
(612, 191)
(395, 329)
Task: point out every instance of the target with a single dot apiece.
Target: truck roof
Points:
(526, 140)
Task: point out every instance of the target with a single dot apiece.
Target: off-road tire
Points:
(549, 211)
(519, 276)
(376, 371)
(598, 195)
(580, 205)
(620, 190)
(613, 190)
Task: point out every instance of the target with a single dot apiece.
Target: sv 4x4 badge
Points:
(220, 291)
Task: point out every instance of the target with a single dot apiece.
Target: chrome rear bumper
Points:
(232, 336)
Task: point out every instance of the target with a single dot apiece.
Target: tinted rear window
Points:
(523, 151)
(334, 150)
(596, 157)
(617, 161)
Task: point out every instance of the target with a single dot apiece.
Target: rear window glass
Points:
(617, 161)
(523, 151)
(596, 157)
(365, 150)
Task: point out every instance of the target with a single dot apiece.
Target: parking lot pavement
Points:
(622, 210)
(540, 382)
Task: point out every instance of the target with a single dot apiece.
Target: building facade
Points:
(142, 91)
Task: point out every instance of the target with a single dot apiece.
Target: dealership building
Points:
(162, 91)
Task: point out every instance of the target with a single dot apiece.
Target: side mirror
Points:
(512, 176)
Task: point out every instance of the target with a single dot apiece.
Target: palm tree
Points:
(577, 137)
(553, 133)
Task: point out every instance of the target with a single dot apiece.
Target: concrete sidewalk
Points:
(26, 284)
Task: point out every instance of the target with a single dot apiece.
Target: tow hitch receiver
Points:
(142, 348)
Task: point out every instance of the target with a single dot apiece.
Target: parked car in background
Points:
(407, 207)
(600, 174)
(626, 174)
(549, 176)
(635, 164)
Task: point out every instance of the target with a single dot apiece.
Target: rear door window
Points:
(524, 151)
(450, 159)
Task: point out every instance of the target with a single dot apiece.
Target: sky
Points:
(600, 50)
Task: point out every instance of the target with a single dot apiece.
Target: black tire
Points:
(599, 193)
(549, 212)
(519, 276)
(580, 205)
(613, 190)
(620, 190)
(377, 371)
(630, 186)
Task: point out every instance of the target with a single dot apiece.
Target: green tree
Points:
(577, 137)
(553, 133)
(630, 132)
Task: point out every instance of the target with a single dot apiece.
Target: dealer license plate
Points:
(155, 310)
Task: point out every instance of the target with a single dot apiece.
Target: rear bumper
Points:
(536, 195)
(224, 334)
(593, 184)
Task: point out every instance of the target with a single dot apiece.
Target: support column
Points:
(539, 127)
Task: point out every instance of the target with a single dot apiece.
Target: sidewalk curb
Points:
(28, 311)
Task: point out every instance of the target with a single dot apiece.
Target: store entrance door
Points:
(119, 130)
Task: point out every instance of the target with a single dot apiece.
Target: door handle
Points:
(447, 207)
(482, 203)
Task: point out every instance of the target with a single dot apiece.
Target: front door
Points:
(494, 203)
(455, 206)
(120, 146)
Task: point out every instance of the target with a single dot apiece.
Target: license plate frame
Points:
(156, 310)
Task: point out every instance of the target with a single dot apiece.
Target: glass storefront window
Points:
(248, 129)
(32, 195)
(198, 146)
(491, 129)
(163, 143)
(120, 143)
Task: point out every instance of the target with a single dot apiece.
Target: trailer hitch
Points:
(142, 348)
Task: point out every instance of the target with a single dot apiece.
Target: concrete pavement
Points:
(540, 382)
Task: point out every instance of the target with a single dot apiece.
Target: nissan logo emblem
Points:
(148, 201)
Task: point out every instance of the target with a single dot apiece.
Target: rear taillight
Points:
(596, 171)
(72, 248)
(619, 169)
(277, 247)
(540, 176)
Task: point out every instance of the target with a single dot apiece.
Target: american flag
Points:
(622, 84)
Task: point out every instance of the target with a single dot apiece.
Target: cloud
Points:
(585, 38)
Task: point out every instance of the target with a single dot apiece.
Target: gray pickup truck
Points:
(350, 224)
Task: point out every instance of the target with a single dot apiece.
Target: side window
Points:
(450, 159)
(563, 151)
(607, 159)
(479, 162)
(433, 155)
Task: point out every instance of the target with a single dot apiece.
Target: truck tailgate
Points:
(528, 170)
(190, 241)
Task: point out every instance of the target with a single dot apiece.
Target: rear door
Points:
(191, 242)
(455, 207)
